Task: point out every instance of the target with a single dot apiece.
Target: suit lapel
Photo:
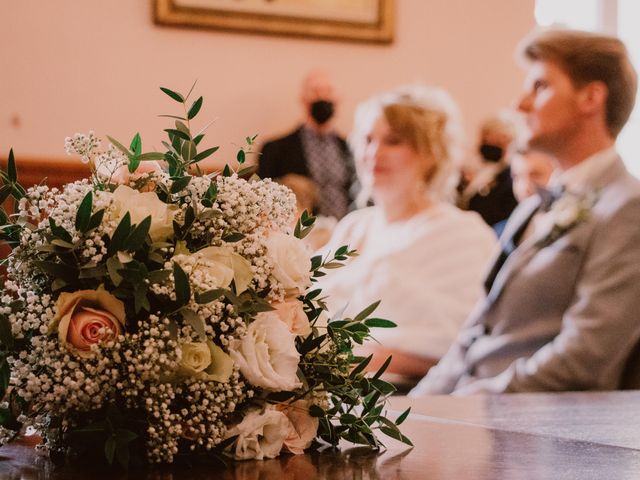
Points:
(527, 249)
(514, 229)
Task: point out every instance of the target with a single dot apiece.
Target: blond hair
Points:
(427, 119)
(589, 57)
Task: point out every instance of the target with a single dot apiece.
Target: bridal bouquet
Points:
(152, 313)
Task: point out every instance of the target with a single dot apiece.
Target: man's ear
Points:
(593, 97)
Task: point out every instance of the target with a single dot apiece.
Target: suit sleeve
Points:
(599, 329)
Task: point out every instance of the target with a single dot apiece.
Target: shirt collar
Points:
(582, 177)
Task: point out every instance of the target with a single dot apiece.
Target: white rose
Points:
(567, 214)
(291, 312)
(142, 204)
(267, 355)
(196, 356)
(260, 435)
(291, 260)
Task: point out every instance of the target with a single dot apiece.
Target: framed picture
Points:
(355, 20)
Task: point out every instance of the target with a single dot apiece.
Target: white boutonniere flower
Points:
(565, 213)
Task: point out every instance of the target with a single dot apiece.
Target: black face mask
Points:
(491, 153)
(321, 111)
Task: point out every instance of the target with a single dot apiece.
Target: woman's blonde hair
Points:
(428, 120)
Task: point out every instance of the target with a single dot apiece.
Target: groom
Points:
(562, 310)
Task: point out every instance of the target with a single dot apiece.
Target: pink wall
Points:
(71, 66)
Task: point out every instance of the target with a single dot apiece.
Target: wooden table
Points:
(534, 436)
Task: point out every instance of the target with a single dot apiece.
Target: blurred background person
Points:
(314, 149)
(488, 190)
(530, 171)
(420, 254)
(306, 193)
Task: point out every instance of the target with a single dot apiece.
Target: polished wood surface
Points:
(534, 436)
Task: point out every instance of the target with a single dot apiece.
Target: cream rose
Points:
(87, 317)
(302, 427)
(291, 261)
(267, 355)
(221, 366)
(260, 435)
(196, 356)
(224, 265)
(291, 312)
(142, 204)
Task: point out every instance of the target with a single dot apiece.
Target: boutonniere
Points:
(565, 213)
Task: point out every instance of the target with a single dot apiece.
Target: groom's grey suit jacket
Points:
(561, 316)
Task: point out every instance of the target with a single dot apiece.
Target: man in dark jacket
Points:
(314, 149)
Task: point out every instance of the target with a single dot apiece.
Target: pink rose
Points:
(87, 317)
(291, 312)
(89, 326)
(302, 427)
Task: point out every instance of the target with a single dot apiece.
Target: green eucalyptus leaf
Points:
(158, 276)
(12, 171)
(120, 234)
(204, 154)
(195, 108)
(83, 215)
(198, 138)
(209, 295)
(178, 134)
(6, 335)
(5, 191)
(241, 156)
(151, 156)
(379, 323)
(176, 117)
(114, 266)
(183, 289)
(226, 171)
(180, 184)
(119, 146)
(138, 235)
(188, 151)
(5, 375)
(366, 312)
(176, 96)
(96, 219)
(134, 162)
(243, 172)
(136, 144)
(140, 300)
(403, 416)
(383, 368)
(183, 128)
(232, 237)
(110, 449)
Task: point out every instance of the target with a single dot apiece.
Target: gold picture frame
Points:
(352, 20)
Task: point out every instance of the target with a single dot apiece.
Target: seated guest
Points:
(563, 296)
(314, 149)
(489, 191)
(530, 171)
(421, 255)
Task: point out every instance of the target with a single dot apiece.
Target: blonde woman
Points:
(418, 253)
